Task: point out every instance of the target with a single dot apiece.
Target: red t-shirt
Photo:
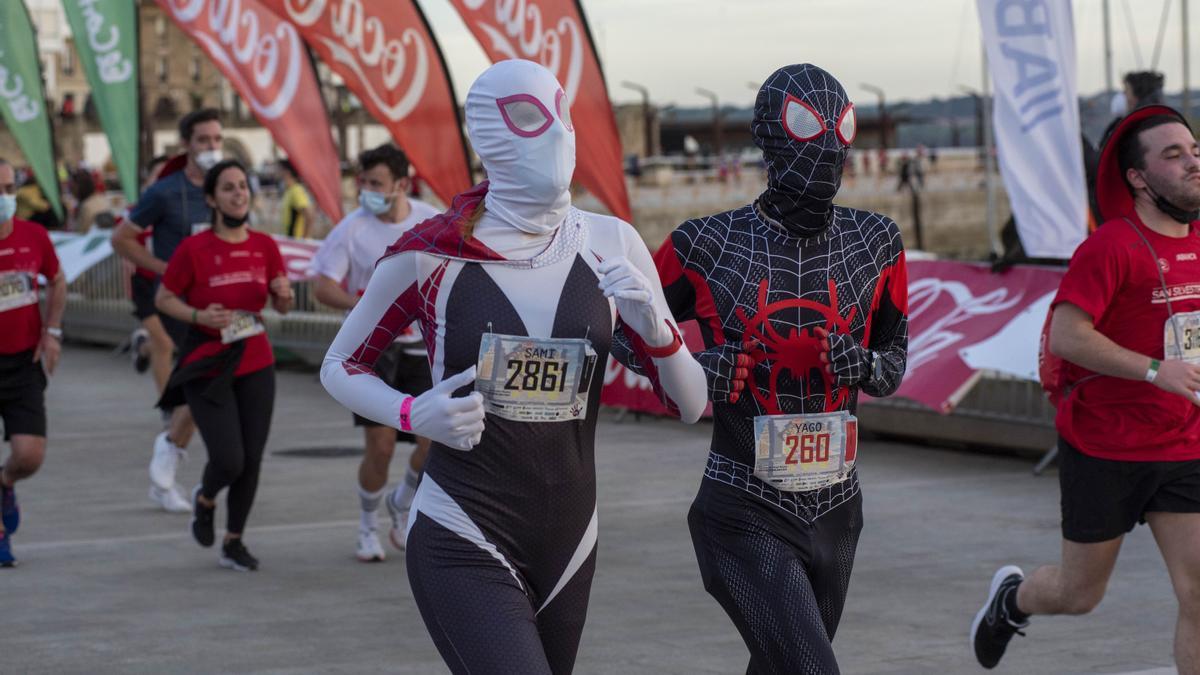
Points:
(206, 270)
(24, 254)
(1113, 278)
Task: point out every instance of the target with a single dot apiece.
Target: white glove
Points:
(453, 422)
(634, 296)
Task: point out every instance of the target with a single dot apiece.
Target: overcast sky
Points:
(913, 49)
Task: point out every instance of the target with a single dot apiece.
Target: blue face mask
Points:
(8, 207)
(376, 202)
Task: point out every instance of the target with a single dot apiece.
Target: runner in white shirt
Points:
(343, 266)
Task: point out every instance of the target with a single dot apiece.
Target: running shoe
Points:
(171, 500)
(138, 349)
(202, 520)
(164, 462)
(399, 520)
(9, 510)
(234, 556)
(369, 548)
(992, 629)
(6, 556)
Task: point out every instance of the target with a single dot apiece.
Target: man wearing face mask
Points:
(1127, 323)
(175, 207)
(343, 266)
(29, 348)
(802, 304)
(518, 294)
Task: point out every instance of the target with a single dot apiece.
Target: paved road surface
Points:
(108, 584)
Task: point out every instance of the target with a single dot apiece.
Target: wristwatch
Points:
(54, 332)
(876, 367)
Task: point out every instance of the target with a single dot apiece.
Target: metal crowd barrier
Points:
(99, 311)
(999, 411)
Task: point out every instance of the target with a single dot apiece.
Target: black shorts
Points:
(141, 291)
(407, 372)
(1103, 499)
(22, 395)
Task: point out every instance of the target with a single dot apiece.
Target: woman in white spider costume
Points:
(518, 292)
(801, 304)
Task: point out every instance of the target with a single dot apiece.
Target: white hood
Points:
(519, 123)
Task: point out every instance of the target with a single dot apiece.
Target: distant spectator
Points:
(93, 207)
(32, 205)
(1143, 87)
(297, 211)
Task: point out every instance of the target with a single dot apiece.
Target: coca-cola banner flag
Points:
(265, 60)
(962, 320)
(555, 34)
(385, 53)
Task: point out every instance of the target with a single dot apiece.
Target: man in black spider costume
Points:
(801, 304)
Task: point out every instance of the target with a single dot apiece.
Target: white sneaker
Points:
(164, 461)
(171, 500)
(369, 548)
(399, 521)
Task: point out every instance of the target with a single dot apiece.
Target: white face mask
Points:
(377, 203)
(519, 122)
(8, 207)
(208, 159)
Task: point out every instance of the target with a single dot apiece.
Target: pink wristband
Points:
(406, 414)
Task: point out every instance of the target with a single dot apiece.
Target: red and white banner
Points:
(555, 34)
(962, 320)
(264, 58)
(389, 59)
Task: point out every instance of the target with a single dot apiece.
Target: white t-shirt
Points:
(348, 255)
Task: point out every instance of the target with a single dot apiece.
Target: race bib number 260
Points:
(799, 453)
(535, 379)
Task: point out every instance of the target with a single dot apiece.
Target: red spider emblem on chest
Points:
(799, 351)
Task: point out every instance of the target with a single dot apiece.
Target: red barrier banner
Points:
(264, 58)
(963, 320)
(389, 59)
(555, 34)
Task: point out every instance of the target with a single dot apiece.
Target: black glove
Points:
(728, 368)
(849, 363)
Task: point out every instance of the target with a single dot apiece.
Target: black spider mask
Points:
(804, 123)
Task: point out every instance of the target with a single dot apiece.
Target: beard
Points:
(1184, 193)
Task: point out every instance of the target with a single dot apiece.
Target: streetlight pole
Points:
(989, 165)
(647, 120)
(883, 116)
(1108, 67)
(1187, 92)
(716, 110)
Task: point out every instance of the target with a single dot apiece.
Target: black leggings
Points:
(481, 619)
(235, 432)
(780, 579)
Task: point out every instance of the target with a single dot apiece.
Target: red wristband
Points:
(406, 414)
(668, 350)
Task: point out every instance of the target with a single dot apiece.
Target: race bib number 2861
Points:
(535, 379)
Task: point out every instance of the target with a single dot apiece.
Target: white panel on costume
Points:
(1031, 57)
(586, 545)
(433, 501)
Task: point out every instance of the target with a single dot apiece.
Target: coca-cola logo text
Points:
(519, 33)
(12, 89)
(111, 65)
(233, 34)
(360, 42)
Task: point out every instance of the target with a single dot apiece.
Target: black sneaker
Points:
(234, 556)
(202, 520)
(992, 629)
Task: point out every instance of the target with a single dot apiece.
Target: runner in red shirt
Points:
(1129, 425)
(29, 348)
(219, 281)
